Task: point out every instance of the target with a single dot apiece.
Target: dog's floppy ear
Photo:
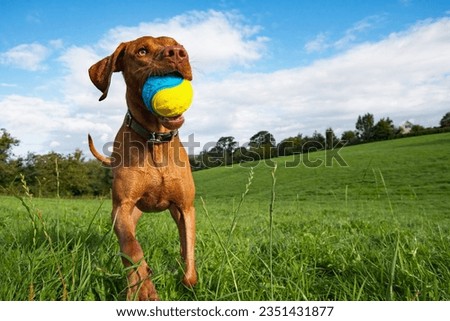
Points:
(101, 72)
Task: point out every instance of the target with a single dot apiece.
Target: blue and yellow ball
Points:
(167, 96)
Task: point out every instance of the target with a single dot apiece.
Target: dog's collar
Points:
(150, 137)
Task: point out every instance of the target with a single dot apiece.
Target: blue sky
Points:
(285, 66)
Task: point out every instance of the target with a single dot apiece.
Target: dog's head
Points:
(140, 59)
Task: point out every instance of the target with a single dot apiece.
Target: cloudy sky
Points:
(288, 67)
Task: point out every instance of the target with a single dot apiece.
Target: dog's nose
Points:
(175, 54)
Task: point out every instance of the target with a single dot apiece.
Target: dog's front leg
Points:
(125, 218)
(185, 220)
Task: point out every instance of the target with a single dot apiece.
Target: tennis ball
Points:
(167, 96)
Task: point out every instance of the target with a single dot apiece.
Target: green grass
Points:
(377, 229)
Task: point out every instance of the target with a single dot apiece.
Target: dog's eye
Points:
(142, 52)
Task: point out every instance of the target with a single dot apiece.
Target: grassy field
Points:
(376, 229)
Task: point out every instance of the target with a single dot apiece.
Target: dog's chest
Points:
(161, 190)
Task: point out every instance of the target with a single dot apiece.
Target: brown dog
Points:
(151, 169)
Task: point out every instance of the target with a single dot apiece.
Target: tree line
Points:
(73, 175)
(262, 145)
(51, 174)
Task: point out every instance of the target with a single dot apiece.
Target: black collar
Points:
(150, 137)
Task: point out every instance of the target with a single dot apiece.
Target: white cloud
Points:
(318, 44)
(7, 85)
(404, 76)
(56, 43)
(39, 124)
(26, 56)
(323, 42)
(225, 42)
(215, 40)
(54, 144)
(76, 85)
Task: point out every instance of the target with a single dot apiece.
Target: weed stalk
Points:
(387, 192)
(393, 266)
(35, 215)
(271, 206)
(224, 245)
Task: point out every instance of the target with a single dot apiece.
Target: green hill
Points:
(405, 170)
(373, 226)
(376, 228)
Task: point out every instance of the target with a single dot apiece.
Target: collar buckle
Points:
(150, 137)
(128, 119)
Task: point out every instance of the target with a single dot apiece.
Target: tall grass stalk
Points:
(386, 191)
(36, 215)
(392, 272)
(225, 245)
(31, 292)
(241, 201)
(222, 245)
(272, 203)
(226, 257)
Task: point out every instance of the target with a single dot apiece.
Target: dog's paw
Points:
(140, 286)
(190, 279)
(145, 291)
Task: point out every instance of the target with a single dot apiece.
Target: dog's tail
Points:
(106, 161)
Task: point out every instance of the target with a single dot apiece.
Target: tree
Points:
(9, 168)
(242, 155)
(227, 144)
(43, 174)
(53, 174)
(290, 145)
(220, 154)
(263, 143)
(349, 136)
(417, 129)
(445, 121)
(6, 143)
(205, 160)
(262, 138)
(73, 174)
(314, 143)
(364, 127)
(384, 129)
(330, 138)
